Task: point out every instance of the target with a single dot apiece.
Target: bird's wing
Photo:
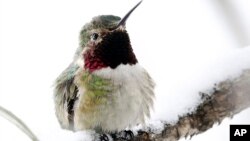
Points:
(65, 95)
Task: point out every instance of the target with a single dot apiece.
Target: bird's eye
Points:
(94, 36)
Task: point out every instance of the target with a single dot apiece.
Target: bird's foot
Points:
(125, 135)
(103, 137)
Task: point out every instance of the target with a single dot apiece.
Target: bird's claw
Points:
(103, 137)
(125, 135)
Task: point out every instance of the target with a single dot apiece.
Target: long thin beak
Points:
(124, 19)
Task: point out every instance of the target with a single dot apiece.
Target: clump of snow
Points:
(85, 135)
(182, 96)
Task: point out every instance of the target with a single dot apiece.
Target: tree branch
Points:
(227, 99)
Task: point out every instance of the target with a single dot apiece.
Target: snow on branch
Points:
(228, 98)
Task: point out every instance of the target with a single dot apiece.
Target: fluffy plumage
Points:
(104, 88)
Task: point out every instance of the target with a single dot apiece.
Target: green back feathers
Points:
(64, 84)
(98, 22)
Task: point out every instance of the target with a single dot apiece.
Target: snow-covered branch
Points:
(228, 98)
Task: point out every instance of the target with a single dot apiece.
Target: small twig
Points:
(18, 123)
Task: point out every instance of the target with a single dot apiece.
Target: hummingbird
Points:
(104, 88)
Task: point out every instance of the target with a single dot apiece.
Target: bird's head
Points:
(104, 42)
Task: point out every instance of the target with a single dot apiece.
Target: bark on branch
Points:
(228, 98)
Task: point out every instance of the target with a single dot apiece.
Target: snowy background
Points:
(187, 47)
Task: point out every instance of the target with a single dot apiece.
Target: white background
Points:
(186, 46)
